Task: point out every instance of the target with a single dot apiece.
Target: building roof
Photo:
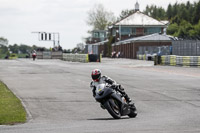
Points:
(138, 19)
(149, 38)
(166, 22)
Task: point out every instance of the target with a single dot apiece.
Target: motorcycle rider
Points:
(98, 79)
(34, 54)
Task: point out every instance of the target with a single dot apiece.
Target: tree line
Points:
(18, 49)
(184, 18)
(25, 50)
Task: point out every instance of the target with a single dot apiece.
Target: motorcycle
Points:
(114, 102)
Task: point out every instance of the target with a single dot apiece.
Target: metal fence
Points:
(186, 47)
(164, 50)
(49, 55)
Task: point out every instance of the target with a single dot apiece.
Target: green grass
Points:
(11, 109)
(22, 55)
(2, 56)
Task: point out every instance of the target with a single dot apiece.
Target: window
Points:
(152, 30)
(102, 34)
(134, 31)
(126, 31)
(96, 34)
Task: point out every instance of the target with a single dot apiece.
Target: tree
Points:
(196, 30)
(184, 14)
(125, 13)
(155, 12)
(184, 29)
(175, 9)
(80, 46)
(14, 48)
(3, 41)
(3, 49)
(109, 46)
(169, 11)
(196, 13)
(172, 29)
(161, 13)
(99, 18)
(25, 49)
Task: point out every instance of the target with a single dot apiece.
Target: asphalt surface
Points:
(58, 99)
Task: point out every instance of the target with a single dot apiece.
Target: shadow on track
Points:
(108, 119)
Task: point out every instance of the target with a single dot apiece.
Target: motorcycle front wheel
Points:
(113, 108)
(133, 111)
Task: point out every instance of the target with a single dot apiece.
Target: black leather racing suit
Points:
(106, 79)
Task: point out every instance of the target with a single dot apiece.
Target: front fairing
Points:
(106, 92)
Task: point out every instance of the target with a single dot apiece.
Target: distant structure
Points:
(130, 36)
(136, 24)
(97, 36)
(137, 7)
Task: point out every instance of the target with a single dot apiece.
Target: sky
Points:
(19, 18)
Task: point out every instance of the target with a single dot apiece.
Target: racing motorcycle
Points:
(114, 102)
(34, 56)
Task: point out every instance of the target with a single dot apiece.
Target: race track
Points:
(58, 99)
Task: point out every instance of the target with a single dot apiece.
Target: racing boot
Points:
(128, 99)
(121, 90)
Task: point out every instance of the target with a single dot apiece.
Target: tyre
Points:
(113, 108)
(133, 111)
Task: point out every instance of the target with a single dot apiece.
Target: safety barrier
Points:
(141, 57)
(76, 57)
(57, 55)
(39, 55)
(69, 57)
(174, 60)
(50, 55)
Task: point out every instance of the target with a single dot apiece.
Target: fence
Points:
(186, 47)
(164, 50)
(174, 60)
(76, 57)
(69, 57)
(49, 55)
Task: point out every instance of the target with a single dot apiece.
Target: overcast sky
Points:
(18, 18)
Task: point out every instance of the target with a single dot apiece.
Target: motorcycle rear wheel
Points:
(112, 108)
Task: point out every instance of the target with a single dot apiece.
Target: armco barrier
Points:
(50, 55)
(198, 61)
(57, 55)
(141, 57)
(76, 57)
(39, 55)
(179, 60)
(174, 60)
(47, 55)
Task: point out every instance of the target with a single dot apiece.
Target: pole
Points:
(58, 39)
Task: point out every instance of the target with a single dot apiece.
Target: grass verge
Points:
(11, 109)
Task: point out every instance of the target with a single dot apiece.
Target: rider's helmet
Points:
(96, 75)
